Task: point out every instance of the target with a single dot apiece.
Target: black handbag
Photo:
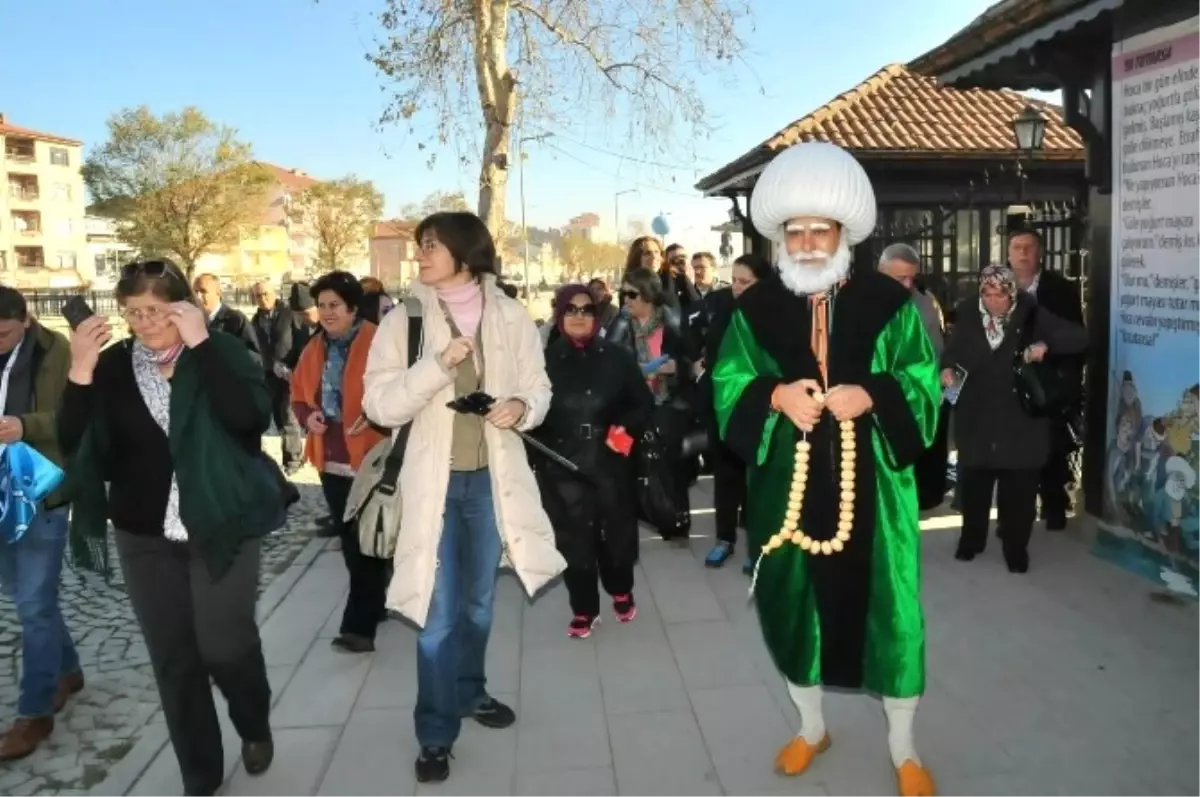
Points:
(1042, 388)
(656, 487)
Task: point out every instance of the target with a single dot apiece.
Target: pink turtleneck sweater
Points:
(465, 303)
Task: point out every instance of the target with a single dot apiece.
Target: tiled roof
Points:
(1001, 22)
(24, 132)
(394, 228)
(292, 179)
(898, 114)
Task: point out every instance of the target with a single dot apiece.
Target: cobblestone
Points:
(103, 723)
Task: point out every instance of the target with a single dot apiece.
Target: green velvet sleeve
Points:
(743, 379)
(905, 387)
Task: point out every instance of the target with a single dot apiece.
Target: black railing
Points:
(49, 302)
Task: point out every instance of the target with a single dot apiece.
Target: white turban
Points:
(814, 179)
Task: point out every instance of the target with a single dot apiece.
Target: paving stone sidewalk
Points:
(105, 721)
(1068, 680)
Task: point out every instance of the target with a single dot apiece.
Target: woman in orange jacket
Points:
(327, 394)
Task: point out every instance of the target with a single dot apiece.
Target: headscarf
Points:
(562, 298)
(997, 276)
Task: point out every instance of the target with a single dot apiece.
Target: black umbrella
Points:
(480, 403)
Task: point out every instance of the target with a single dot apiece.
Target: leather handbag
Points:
(375, 502)
(1041, 386)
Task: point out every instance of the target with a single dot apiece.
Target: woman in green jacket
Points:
(172, 420)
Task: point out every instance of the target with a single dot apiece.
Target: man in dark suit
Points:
(1059, 296)
(272, 325)
(221, 316)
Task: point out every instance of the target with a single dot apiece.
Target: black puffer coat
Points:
(595, 388)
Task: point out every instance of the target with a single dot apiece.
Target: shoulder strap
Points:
(395, 457)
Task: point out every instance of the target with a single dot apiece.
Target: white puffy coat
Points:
(395, 394)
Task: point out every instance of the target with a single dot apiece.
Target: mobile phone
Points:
(952, 392)
(76, 310)
(620, 441)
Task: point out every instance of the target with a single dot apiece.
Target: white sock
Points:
(901, 711)
(808, 702)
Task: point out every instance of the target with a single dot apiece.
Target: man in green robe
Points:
(827, 386)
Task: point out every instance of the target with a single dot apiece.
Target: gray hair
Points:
(900, 252)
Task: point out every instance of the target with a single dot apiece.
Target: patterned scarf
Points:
(1002, 277)
(641, 337)
(337, 351)
(156, 393)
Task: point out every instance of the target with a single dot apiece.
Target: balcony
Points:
(26, 223)
(20, 150)
(30, 257)
(23, 188)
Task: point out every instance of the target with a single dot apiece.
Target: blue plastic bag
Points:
(26, 478)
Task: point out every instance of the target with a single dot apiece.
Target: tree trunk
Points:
(498, 102)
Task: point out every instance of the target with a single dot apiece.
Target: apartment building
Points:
(43, 236)
(283, 246)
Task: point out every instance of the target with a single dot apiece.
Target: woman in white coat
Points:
(468, 493)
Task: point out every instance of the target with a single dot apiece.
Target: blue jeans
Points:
(29, 572)
(451, 647)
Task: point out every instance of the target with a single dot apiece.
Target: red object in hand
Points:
(620, 440)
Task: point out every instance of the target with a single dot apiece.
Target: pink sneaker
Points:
(624, 607)
(581, 626)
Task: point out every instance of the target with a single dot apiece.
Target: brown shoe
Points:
(24, 737)
(68, 686)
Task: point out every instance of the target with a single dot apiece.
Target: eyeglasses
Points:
(627, 295)
(139, 314)
(585, 310)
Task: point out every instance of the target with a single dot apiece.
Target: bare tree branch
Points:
(480, 67)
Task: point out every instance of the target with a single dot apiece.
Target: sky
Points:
(292, 77)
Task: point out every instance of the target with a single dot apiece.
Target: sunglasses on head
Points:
(585, 310)
(155, 269)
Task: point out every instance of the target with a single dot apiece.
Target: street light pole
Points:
(521, 180)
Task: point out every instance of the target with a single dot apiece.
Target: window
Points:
(100, 264)
(62, 192)
(64, 260)
(59, 156)
(62, 228)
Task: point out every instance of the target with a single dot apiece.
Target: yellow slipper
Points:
(914, 780)
(795, 757)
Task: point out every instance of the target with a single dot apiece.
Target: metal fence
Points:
(47, 303)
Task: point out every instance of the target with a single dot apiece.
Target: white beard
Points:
(1175, 489)
(808, 273)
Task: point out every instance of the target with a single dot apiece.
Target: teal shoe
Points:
(717, 556)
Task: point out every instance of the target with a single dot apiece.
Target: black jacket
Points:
(232, 321)
(990, 426)
(299, 336)
(273, 332)
(1061, 297)
(675, 345)
(595, 388)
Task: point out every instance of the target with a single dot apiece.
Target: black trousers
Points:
(196, 629)
(729, 491)
(582, 589)
(1016, 504)
(285, 422)
(368, 575)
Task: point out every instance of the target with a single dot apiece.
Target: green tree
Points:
(341, 215)
(181, 185)
(488, 65)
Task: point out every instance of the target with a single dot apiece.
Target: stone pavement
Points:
(1069, 680)
(105, 721)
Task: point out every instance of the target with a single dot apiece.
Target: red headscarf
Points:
(562, 298)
